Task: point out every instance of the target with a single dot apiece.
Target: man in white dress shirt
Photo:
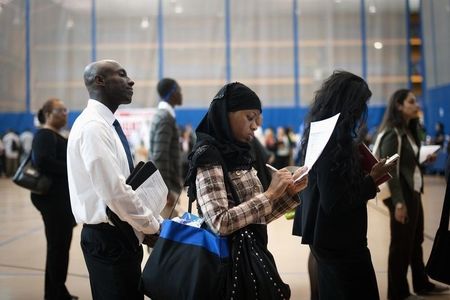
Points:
(98, 163)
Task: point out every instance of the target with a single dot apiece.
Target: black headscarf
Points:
(215, 142)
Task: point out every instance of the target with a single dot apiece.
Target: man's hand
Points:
(150, 239)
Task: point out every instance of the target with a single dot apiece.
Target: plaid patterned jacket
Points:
(218, 209)
(165, 149)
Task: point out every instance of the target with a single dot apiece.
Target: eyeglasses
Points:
(61, 110)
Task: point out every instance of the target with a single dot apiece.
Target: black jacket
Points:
(327, 219)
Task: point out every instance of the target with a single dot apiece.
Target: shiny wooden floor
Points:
(22, 246)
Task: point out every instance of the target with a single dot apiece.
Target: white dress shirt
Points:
(7, 143)
(168, 107)
(97, 168)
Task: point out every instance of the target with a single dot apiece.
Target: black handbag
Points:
(254, 274)
(438, 265)
(29, 177)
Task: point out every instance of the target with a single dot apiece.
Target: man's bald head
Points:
(108, 82)
(96, 68)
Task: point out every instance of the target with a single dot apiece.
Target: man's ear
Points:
(99, 80)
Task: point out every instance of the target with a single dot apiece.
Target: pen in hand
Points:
(271, 167)
(296, 180)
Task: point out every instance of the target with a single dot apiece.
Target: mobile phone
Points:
(392, 158)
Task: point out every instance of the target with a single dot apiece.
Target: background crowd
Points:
(283, 143)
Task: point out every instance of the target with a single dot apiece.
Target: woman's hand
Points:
(298, 185)
(280, 181)
(401, 213)
(380, 169)
(431, 158)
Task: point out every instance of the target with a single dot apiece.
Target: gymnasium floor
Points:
(22, 246)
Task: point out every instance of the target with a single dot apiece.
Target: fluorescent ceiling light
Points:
(378, 45)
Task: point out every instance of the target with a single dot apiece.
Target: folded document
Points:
(149, 186)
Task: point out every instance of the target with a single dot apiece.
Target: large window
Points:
(262, 49)
(60, 47)
(12, 57)
(283, 49)
(194, 48)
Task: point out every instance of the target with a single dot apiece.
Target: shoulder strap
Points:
(228, 186)
(376, 147)
(399, 149)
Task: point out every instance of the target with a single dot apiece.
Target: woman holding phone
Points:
(401, 125)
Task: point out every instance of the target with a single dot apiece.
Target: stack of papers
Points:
(189, 219)
(427, 150)
(319, 135)
(149, 185)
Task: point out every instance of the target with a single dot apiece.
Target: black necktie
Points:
(124, 141)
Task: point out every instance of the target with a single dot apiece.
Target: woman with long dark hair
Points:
(49, 156)
(401, 125)
(333, 218)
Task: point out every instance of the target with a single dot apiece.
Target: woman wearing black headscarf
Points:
(229, 194)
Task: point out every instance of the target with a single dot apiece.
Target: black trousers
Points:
(313, 277)
(350, 277)
(406, 248)
(114, 267)
(58, 222)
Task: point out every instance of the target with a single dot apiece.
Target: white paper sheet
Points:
(319, 134)
(427, 150)
(153, 192)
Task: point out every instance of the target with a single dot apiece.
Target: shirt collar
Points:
(104, 111)
(166, 106)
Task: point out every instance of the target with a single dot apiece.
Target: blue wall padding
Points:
(437, 108)
(273, 117)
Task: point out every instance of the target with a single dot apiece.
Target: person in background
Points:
(26, 140)
(333, 216)
(2, 158)
(221, 170)
(49, 150)
(270, 141)
(283, 152)
(439, 135)
(187, 140)
(141, 152)
(11, 143)
(164, 142)
(447, 169)
(292, 138)
(115, 219)
(400, 122)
